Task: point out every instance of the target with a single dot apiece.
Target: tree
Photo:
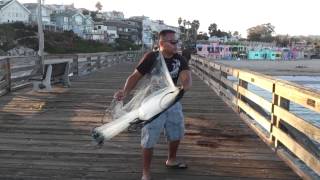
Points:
(282, 40)
(188, 31)
(195, 25)
(261, 32)
(155, 36)
(86, 12)
(194, 29)
(179, 21)
(99, 6)
(236, 33)
(202, 36)
(212, 29)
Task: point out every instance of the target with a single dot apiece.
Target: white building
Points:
(58, 8)
(104, 33)
(154, 26)
(112, 15)
(13, 11)
(45, 11)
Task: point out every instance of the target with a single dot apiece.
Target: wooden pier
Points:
(47, 136)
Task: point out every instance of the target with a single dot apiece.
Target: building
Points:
(57, 8)
(126, 29)
(104, 33)
(74, 21)
(13, 11)
(112, 15)
(150, 28)
(45, 11)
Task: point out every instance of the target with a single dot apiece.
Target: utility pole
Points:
(40, 37)
(142, 34)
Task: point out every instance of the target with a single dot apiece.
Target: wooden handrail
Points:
(12, 67)
(272, 119)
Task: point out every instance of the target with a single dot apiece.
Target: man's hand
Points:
(119, 95)
(130, 84)
(185, 79)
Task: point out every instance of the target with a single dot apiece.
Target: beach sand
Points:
(278, 68)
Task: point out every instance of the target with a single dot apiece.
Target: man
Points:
(172, 119)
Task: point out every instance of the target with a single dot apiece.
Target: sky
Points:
(293, 17)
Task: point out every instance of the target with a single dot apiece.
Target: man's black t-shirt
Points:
(175, 64)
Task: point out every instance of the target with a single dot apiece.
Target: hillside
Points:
(19, 35)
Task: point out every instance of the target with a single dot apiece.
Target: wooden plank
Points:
(205, 69)
(214, 84)
(262, 133)
(295, 164)
(257, 80)
(23, 78)
(308, 158)
(303, 96)
(259, 118)
(3, 85)
(3, 92)
(302, 125)
(229, 83)
(23, 59)
(216, 74)
(225, 92)
(21, 86)
(25, 68)
(235, 72)
(226, 69)
(265, 104)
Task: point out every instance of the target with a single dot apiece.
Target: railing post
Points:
(39, 63)
(275, 121)
(106, 60)
(221, 85)
(99, 62)
(8, 74)
(75, 67)
(243, 84)
(89, 65)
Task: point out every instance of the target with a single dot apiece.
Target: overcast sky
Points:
(293, 17)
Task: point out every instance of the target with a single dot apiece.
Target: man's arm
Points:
(185, 79)
(130, 84)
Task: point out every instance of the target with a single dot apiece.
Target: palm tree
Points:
(179, 21)
(98, 6)
(212, 29)
(194, 29)
(195, 24)
(154, 38)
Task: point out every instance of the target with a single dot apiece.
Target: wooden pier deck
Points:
(47, 136)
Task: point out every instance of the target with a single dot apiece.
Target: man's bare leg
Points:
(147, 157)
(172, 154)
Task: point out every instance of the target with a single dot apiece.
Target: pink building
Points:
(214, 51)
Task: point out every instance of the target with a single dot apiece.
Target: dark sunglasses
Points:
(173, 42)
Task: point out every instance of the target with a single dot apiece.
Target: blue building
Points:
(74, 21)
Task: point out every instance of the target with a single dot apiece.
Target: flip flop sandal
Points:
(177, 166)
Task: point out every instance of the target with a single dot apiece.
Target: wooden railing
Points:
(296, 140)
(15, 72)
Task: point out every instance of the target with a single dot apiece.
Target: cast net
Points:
(150, 90)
